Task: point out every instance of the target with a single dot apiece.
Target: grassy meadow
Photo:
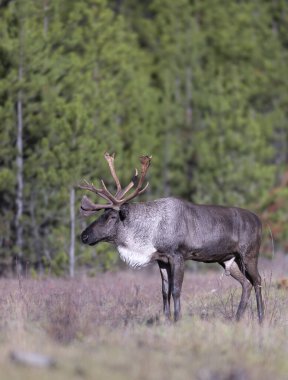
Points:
(111, 327)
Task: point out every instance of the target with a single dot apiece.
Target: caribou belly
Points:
(136, 256)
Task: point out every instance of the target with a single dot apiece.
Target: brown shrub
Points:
(282, 283)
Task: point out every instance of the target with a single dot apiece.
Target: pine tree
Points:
(236, 106)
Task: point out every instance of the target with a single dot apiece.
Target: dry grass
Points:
(112, 327)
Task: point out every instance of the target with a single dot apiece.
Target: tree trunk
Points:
(36, 242)
(19, 164)
(188, 96)
(166, 146)
(45, 19)
(72, 233)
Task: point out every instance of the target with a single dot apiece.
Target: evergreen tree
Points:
(236, 106)
(199, 85)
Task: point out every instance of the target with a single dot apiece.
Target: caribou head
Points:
(105, 227)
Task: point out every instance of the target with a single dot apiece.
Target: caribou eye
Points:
(112, 217)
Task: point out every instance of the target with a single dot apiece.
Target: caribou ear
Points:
(124, 211)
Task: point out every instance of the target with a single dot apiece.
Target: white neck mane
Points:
(136, 255)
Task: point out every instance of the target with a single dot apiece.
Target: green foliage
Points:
(58, 264)
(202, 86)
(274, 213)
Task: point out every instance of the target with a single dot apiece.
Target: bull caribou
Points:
(170, 231)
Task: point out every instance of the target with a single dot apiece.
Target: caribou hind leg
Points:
(252, 273)
(165, 271)
(236, 273)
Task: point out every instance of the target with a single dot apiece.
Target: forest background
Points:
(199, 85)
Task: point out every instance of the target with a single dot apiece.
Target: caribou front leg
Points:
(177, 271)
(165, 271)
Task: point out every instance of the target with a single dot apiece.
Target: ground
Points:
(111, 327)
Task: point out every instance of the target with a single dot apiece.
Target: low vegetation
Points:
(112, 327)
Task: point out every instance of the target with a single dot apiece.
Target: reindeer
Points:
(171, 231)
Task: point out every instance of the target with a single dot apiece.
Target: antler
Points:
(145, 163)
(110, 160)
(115, 201)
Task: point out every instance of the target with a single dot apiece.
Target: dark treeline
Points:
(200, 85)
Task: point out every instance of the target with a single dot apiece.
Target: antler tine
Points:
(145, 163)
(129, 186)
(88, 208)
(144, 189)
(93, 189)
(107, 193)
(88, 186)
(110, 159)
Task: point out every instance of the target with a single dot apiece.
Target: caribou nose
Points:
(84, 238)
